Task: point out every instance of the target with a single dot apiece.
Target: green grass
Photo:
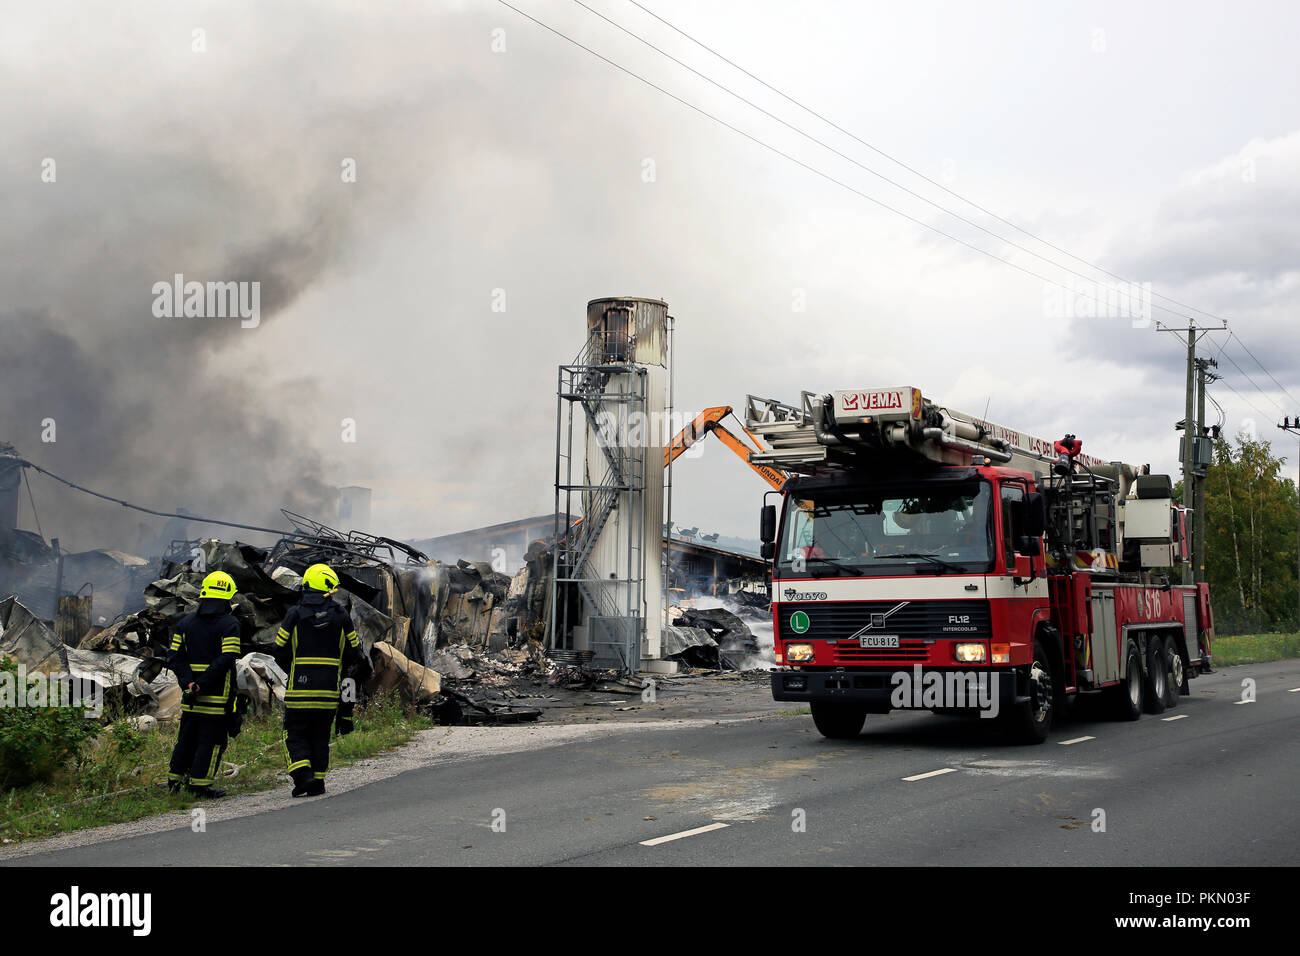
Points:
(1255, 648)
(122, 776)
(797, 712)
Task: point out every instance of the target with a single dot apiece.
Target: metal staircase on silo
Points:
(590, 399)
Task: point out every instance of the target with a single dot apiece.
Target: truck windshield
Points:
(880, 530)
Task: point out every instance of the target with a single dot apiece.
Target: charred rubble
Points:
(461, 640)
(711, 638)
(450, 638)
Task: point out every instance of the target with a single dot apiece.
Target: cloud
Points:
(521, 171)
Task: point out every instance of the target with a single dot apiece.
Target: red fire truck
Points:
(927, 559)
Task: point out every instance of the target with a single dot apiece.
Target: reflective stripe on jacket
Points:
(204, 648)
(313, 644)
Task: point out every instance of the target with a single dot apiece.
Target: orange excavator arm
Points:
(710, 420)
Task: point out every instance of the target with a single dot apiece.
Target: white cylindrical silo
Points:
(628, 337)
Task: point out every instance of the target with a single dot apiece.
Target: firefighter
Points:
(204, 648)
(314, 646)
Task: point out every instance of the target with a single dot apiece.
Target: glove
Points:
(235, 721)
(343, 717)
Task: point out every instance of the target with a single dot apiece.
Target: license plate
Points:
(879, 640)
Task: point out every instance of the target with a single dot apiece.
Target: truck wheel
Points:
(1029, 722)
(1175, 677)
(838, 721)
(1128, 695)
(1157, 677)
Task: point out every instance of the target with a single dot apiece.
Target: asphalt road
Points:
(1215, 787)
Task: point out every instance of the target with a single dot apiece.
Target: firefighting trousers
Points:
(307, 738)
(200, 744)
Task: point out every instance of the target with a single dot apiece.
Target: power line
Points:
(893, 159)
(126, 504)
(1252, 405)
(1248, 402)
(893, 182)
(1233, 335)
(1223, 417)
(868, 169)
(1225, 355)
(970, 202)
(32, 499)
(812, 169)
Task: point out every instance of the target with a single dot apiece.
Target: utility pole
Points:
(1292, 425)
(1188, 426)
(1203, 374)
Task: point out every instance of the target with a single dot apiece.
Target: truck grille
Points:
(909, 652)
(910, 620)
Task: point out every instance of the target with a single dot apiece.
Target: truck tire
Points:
(1156, 677)
(1128, 695)
(1029, 722)
(1175, 675)
(838, 721)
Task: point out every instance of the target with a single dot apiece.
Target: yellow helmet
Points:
(321, 577)
(218, 584)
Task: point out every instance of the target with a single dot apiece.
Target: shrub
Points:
(36, 741)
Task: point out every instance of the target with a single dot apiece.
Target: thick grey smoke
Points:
(122, 181)
(229, 165)
(141, 406)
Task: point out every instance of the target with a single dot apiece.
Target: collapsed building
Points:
(458, 638)
(409, 611)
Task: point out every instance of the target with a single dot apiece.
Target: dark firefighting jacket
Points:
(314, 645)
(204, 648)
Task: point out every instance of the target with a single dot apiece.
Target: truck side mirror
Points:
(1035, 515)
(1032, 547)
(767, 525)
(767, 549)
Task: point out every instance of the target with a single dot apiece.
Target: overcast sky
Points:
(1160, 141)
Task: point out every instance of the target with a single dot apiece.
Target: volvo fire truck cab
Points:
(926, 559)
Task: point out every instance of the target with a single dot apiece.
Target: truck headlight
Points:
(969, 653)
(798, 653)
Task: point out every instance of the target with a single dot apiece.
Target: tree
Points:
(1250, 538)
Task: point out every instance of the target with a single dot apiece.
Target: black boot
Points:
(302, 782)
(315, 788)
(206, 793)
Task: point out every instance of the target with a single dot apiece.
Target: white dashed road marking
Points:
(685, 833)
(1243, 702)
(1179, 717)
(932, 773)
(1075, 740)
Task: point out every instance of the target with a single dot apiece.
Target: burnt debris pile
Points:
(451, 638)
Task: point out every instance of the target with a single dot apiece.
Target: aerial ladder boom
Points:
(839, 429)
(710, 420)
